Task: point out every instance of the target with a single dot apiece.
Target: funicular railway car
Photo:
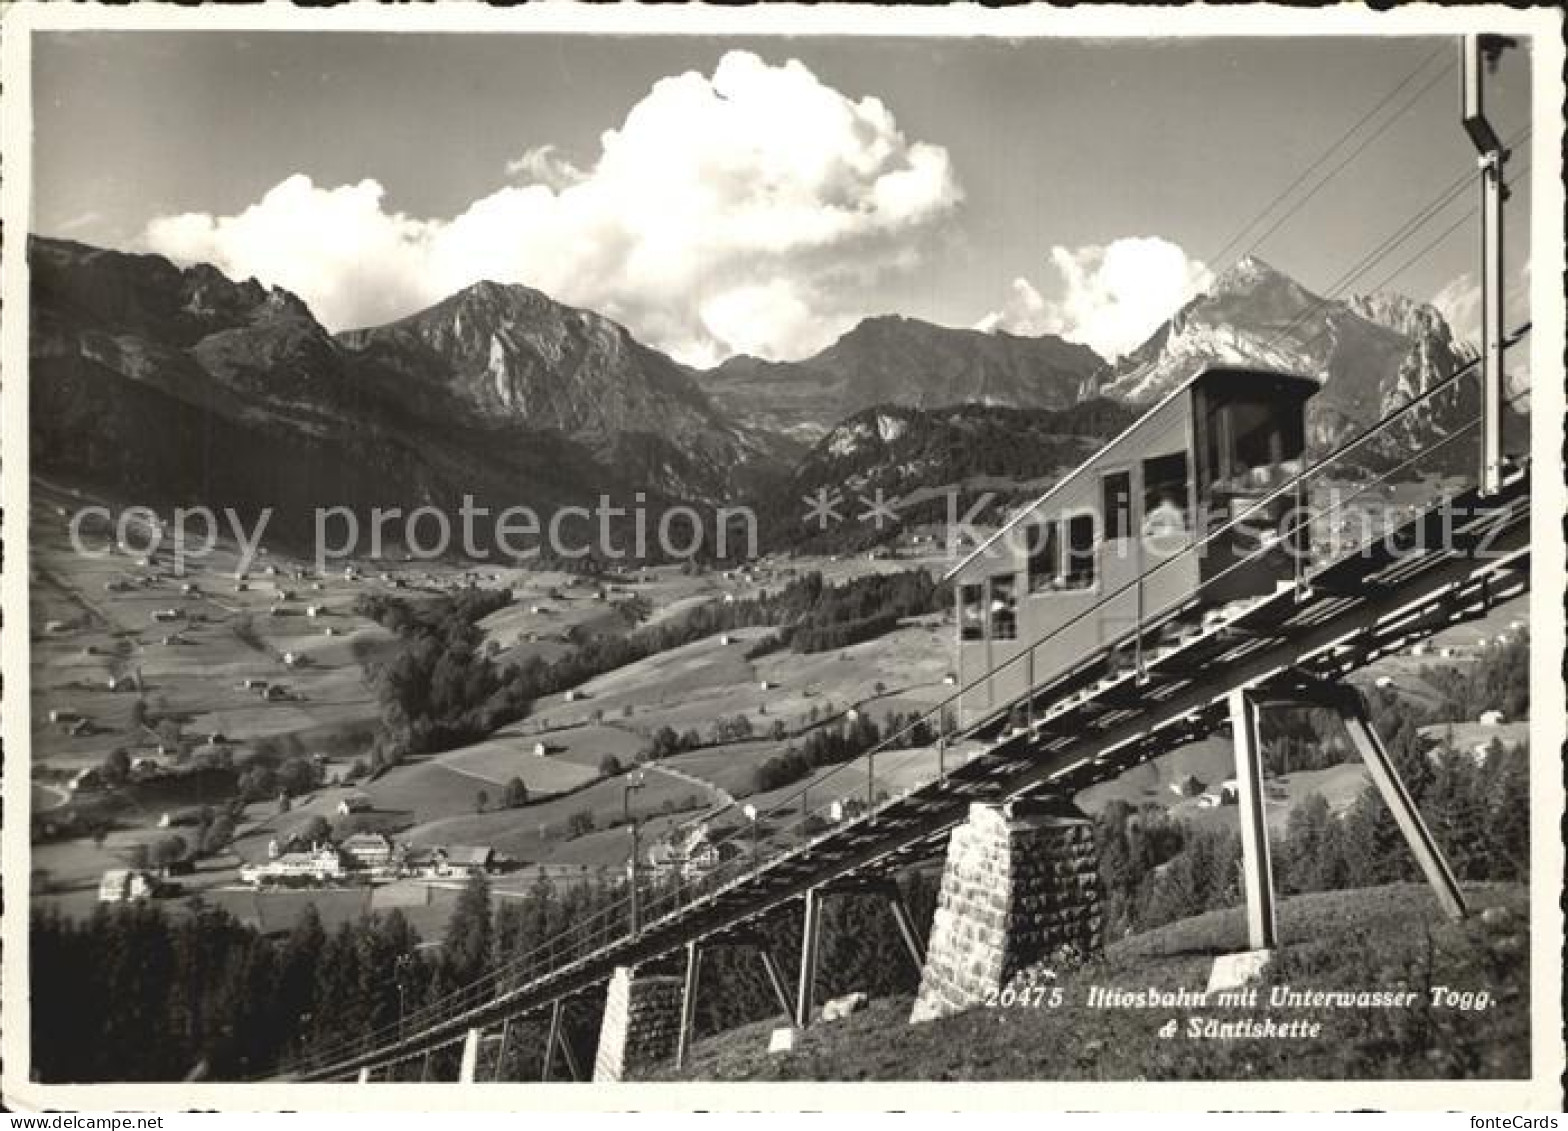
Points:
(1153, 504)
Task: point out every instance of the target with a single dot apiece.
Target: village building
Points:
(692, 855)
(846, 809)
(448, 861)
(320, 864)
(359, 803)
(371, 852)
(126, 885)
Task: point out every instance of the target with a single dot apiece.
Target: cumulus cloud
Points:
(738, 211)
(1459, 302)
(1023, 313)
(1109, 298)
(349, 258)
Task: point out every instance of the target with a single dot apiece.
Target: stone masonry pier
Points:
(1021, 882)
(641, 1026)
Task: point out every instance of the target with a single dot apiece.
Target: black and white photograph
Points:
(567, 554)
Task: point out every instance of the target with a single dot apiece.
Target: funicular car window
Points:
(1004, 608)
(1252, 446)
(1078, 568)
(971, 614)
(1165, 495)
(1045, 556)
(1116, 504)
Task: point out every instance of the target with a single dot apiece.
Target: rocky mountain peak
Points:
(1401, 314)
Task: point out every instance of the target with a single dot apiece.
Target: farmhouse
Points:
(1491, 718)
(125, 885)
(442, 861)
(369, 851)
(846, 809)
(359, 803)
(163, 616)
(691, 856)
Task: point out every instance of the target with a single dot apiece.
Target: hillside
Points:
(1368, 939)
(890, 360)
(915, 456)
(510, 355)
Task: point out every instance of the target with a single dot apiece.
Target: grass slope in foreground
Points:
(1390, 937)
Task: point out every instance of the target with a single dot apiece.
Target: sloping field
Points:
(690, 687)
(532, 832)
(427, 790)
(587, 745)
(509, 753)
(732, 768)
(1211, 761)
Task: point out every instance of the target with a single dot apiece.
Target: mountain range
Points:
(891, 360)
(179, 384)
(1371, 353)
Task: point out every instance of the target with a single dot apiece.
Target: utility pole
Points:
(635, 782)
(1479, 55)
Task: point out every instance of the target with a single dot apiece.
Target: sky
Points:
(761, 195)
